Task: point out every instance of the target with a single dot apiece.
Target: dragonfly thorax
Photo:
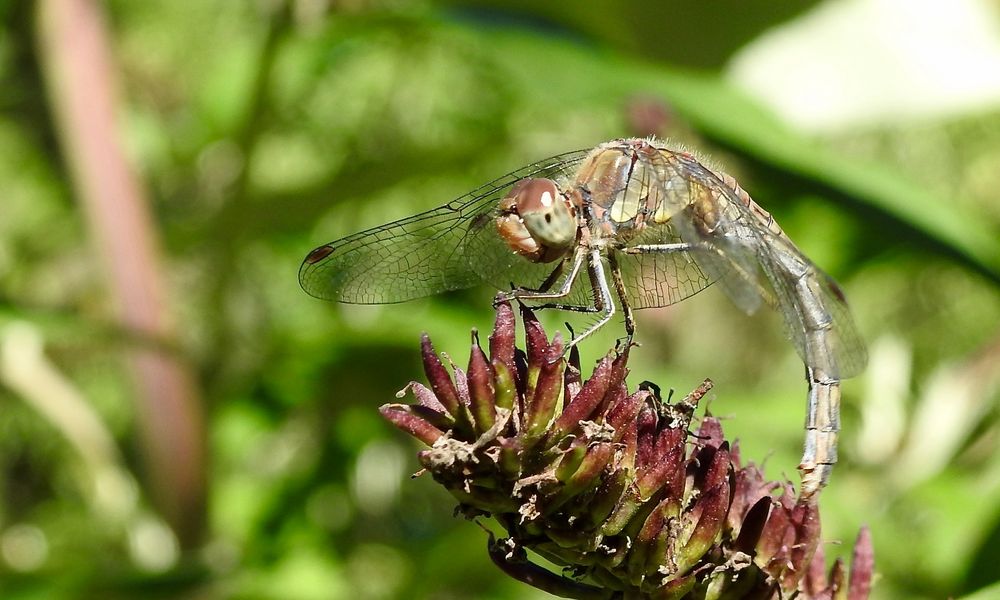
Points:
(537, 220)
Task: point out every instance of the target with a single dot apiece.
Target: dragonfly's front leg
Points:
(603, 302)
(543, 293)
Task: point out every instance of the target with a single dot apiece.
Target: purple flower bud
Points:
(612, 485)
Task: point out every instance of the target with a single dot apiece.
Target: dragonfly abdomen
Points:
(762, 215)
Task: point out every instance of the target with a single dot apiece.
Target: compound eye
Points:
(536, 221)
(536, 196)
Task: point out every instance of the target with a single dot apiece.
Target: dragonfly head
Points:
(537, 221)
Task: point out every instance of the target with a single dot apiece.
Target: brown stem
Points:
(79, 71)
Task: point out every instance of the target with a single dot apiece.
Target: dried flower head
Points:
(614, 486)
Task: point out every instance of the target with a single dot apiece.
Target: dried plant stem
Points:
(77, 65)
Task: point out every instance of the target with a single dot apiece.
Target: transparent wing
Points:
(740, 246)
(653, 279)
(815, 312)
(424, 254)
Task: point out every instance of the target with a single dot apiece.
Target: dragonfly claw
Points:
(622, 344)
(503, 298)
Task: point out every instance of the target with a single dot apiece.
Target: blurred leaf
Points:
(982, 573)
(989, 593)
(695, 34)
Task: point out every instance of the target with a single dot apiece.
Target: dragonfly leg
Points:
(603, 301)
(569, 307)
(661, 248)
(616, 278)
(543, 292)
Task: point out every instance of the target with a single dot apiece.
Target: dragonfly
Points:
(630, 224)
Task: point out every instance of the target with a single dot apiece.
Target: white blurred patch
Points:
(152, 544)
(377, 476)
(865, 62)
(24, 547)
(883, 412)
(330, 508)
(955, 399)
(377, 571)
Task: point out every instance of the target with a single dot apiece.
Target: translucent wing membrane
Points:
(654, 279)
(817, 318)
(730, 238)
(425, 254)
(738, 245)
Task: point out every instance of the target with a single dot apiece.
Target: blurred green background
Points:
(259, 130)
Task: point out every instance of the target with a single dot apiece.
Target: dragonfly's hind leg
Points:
(603, 302)
(616, 277)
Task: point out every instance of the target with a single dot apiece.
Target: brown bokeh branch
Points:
(79, 71)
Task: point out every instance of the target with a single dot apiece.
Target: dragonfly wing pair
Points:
(733, 242)
(428, 253)
(456, 246)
